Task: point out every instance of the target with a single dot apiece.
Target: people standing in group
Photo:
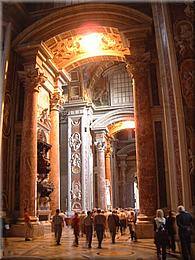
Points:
(76, 228)
(88, 228)
(58, 224)
(28, 226)
(171, 229)
(131, 221)
(160, 234)
(113, 223)
(99, 226)
(184, 223)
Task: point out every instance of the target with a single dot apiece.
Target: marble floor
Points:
(45, 248)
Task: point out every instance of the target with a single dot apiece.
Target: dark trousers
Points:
(89, 234)
(161, 249)
(186, 248)
(76, 236)
(113, 234)
(172, 242)
(100, 234)
(58, 233)
(122, 226)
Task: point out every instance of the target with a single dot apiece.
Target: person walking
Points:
(28, 226)
(131, 223)
(57, 224)
(76, 228)
(113, 223)
(99, 226)
(184, 223)
(160, 234)
(88, 227)
(171, 228)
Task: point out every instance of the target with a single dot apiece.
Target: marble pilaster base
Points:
(144, 229)
(18, 230)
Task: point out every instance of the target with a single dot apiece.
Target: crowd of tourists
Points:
(99, 224)
(107, 224)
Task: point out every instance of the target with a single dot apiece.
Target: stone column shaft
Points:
(101, 175)
(28, 167)
(123, 183)
(145, 156)
(54, 175)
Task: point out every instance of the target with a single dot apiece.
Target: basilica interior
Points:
(97, 109)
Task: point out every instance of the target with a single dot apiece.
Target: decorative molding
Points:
(75, 141)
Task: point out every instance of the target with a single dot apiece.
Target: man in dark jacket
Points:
(113, 223)
(184, 223)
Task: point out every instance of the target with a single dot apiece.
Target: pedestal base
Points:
(144, 227)
(18, 230)
(144, 230)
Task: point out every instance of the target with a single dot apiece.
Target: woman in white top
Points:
(160, 234)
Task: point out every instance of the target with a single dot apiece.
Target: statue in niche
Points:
(44, 187)
(75, 141)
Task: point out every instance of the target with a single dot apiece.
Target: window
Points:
(121, 89)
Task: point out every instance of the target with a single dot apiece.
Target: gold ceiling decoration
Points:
(68, 50)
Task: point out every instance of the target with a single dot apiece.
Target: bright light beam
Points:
(91, 43)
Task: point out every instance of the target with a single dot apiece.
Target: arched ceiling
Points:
(125, 19)
(66, 48)
(61, 33)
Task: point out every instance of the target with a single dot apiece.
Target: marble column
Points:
(108, 172)
(28, 168)
(123, 166)
(100, 145)
(54, 175)
(145, 156)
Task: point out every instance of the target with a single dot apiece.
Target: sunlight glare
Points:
(91, 43)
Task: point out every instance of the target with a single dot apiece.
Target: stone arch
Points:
(117, 16)
(110, 119)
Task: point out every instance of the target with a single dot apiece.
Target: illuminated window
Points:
(121, 89)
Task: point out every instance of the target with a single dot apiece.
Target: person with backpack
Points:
(160, 234)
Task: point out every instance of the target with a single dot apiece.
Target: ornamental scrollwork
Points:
(75, 141)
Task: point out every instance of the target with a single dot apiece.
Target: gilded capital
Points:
(138, 66)
(32, 77)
